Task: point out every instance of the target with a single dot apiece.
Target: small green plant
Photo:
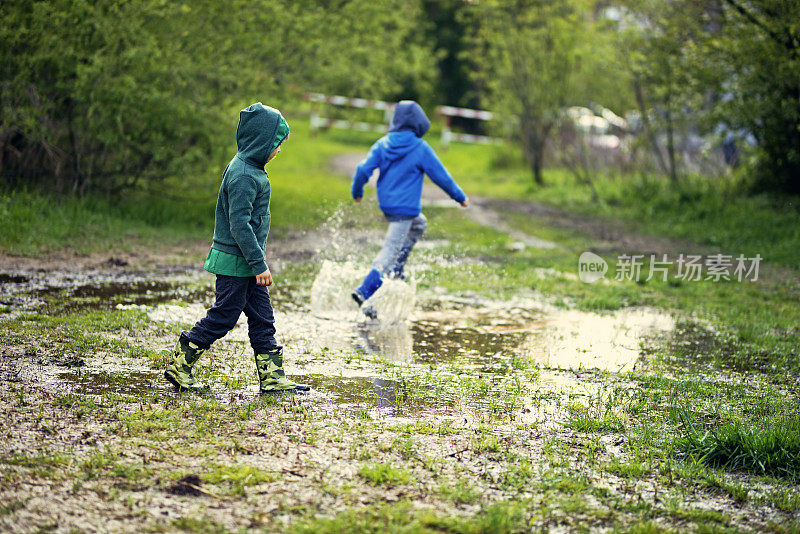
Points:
(384, 474)
(237, 477)
(462, 492)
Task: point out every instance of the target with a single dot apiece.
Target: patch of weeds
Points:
(676, 509)
(41, 466)
(360, 453)
(384, 474)
(238, 477)
(648, 527)
(11, 507)
(596, 418)
(518, 473)
(45, 460)
(203, 525)
(786, 499)
(485, 444)
(632, 469)
(405, 447)
(769, 448)
(735, 490)
(96, 463)
(500, 518)
(83, 405)
(424, 427)
(152, 423)
(462, 492)
(131, 472)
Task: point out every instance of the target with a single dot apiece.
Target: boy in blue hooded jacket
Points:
(241, 225)
(402, 157)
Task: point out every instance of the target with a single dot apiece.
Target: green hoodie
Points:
(242, 218)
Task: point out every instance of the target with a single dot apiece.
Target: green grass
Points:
(385, 474)
(305, 193)
(765, 448)
(237, 477)
(714, 212)
(402, 517)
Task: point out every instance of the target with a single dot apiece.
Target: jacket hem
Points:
(230, 249)
(400, 210)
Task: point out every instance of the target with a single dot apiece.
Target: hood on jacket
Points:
(409, 124)
(260, 130)
(409, 116)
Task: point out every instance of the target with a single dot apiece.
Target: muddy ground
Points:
(462, 413)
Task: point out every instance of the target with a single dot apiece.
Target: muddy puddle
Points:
(76, 291)
(429, 353)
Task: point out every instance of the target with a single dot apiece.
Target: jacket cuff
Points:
(259, 268)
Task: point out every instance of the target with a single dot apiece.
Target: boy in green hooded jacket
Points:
(241, 226)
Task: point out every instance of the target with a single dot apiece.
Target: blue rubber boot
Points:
(368, 287)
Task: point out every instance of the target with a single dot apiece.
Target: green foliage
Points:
(770, 447)
(384, 474)
(304, 194)
(102, 95)
(113, 95)
(534, 58)
(724, 63)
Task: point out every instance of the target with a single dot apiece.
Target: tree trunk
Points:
(648, 130)
(534, 136)
(536, 163)
(673, 172)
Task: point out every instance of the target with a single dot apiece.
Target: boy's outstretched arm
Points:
(241, 193)
(364, 171)
(437, 172)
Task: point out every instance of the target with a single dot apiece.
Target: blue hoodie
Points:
(402, 157)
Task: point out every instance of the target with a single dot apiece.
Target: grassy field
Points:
(712, 212)
(304, 194)
(702, 435)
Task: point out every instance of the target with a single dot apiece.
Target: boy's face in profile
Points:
(277, 150)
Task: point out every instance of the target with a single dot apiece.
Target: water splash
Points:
(394, 301)
(330, 294)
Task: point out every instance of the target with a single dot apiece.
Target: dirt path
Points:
(611, 237)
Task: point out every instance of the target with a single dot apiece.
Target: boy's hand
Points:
(357, 199)
(465, 203)
(264, 279)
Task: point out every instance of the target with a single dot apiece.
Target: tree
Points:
(110, 95)
(723, 64)
(758, 85)
(534, 58)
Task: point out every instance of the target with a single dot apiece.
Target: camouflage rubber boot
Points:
(270, 373)
(179, 371)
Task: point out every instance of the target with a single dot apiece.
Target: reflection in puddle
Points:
(452, 354)
(559, 339)
(72, 291)
(573, 339)
(367, 392)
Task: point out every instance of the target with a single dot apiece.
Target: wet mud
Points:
(475, 383)
(64, 291)
(497, 341)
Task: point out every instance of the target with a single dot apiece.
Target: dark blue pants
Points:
(236, 295)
